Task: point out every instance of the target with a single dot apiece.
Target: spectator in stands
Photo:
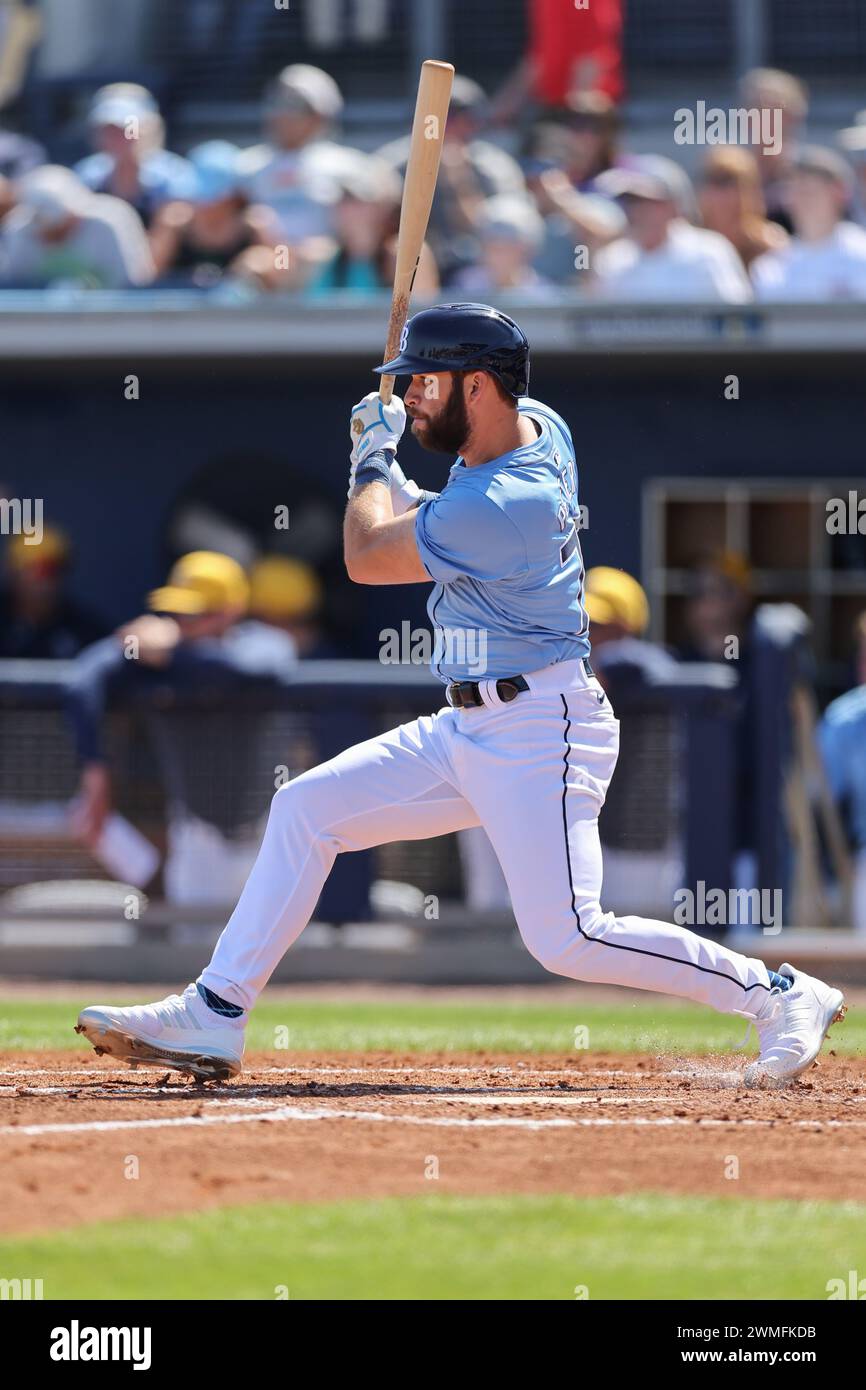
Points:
(770, 89)
(7, 197)
(842, 740)
(618, 614)
(287, 594)
(511, 232)
(826, 258)
(664, 257)
(38, 619)
(572, 49)
(20, 32)
(131, 161)
(61, 233)
(852, 141)
(366, 217)
(731, 202)
(718, 608)
(472, 171)
(563, 181)
(192, 641)
(297, 172)
(19, 154)
(210, 236)
(569, 153)
(586, 131)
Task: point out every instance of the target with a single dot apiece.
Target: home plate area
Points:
(82, 1140)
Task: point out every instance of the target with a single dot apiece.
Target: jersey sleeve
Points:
(835, 754)
(462, 532)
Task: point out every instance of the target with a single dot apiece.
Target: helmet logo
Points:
(404, 337)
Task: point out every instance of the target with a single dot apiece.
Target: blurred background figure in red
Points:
(572, 49)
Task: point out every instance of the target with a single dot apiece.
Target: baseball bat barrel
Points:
(419, 185)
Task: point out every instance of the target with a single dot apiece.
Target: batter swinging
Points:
(527, 751)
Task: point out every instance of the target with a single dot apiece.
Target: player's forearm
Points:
(378, 547)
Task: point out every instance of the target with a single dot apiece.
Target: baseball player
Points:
(525, 745)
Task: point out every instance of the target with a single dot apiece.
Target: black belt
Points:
(465, 694)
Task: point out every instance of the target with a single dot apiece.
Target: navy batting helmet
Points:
(464, 338)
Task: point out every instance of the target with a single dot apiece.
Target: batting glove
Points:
(375, 425)
(404, 493)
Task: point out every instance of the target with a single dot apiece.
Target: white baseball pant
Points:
(533, 772)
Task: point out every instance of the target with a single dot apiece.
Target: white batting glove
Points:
(404, 492)
(375, 425)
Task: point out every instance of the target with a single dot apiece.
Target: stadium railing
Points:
(223, 764)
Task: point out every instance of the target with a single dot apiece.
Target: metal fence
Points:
(222, 765)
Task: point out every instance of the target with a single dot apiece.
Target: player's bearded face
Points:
(442, 428)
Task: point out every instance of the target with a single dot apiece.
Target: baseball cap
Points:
(853, 138)
(215, 170)
(24, 553)
(588, 110)
(204, 581)
(368, 179)
(300, 86)
(826, 163)
(282, 588)
(121, 102)
(650, 176)
(53, 193)
(730, 565)
(467, 95)
(510, 218)
(612, 596)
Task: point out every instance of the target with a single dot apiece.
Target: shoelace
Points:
(759, 1023)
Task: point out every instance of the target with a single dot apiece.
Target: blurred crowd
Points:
(531, 200)
(40, 620)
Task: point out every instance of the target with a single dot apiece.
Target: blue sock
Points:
(219, 1006)
(781, 982)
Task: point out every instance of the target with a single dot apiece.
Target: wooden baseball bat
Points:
(419, 185)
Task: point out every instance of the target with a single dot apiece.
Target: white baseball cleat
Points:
(179, 1032)
(795, 1025)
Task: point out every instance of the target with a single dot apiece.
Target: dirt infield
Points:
(82, 1140)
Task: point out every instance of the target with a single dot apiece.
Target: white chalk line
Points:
(123, 1070)
(285, 1113)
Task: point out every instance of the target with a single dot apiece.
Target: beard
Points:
(449, 431)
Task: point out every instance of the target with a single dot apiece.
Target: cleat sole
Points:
(113, 1042)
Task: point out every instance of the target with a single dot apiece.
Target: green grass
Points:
(433, 1026)
(436, 1247)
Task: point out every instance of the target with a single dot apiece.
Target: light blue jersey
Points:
(502, 544)
(842, 738)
